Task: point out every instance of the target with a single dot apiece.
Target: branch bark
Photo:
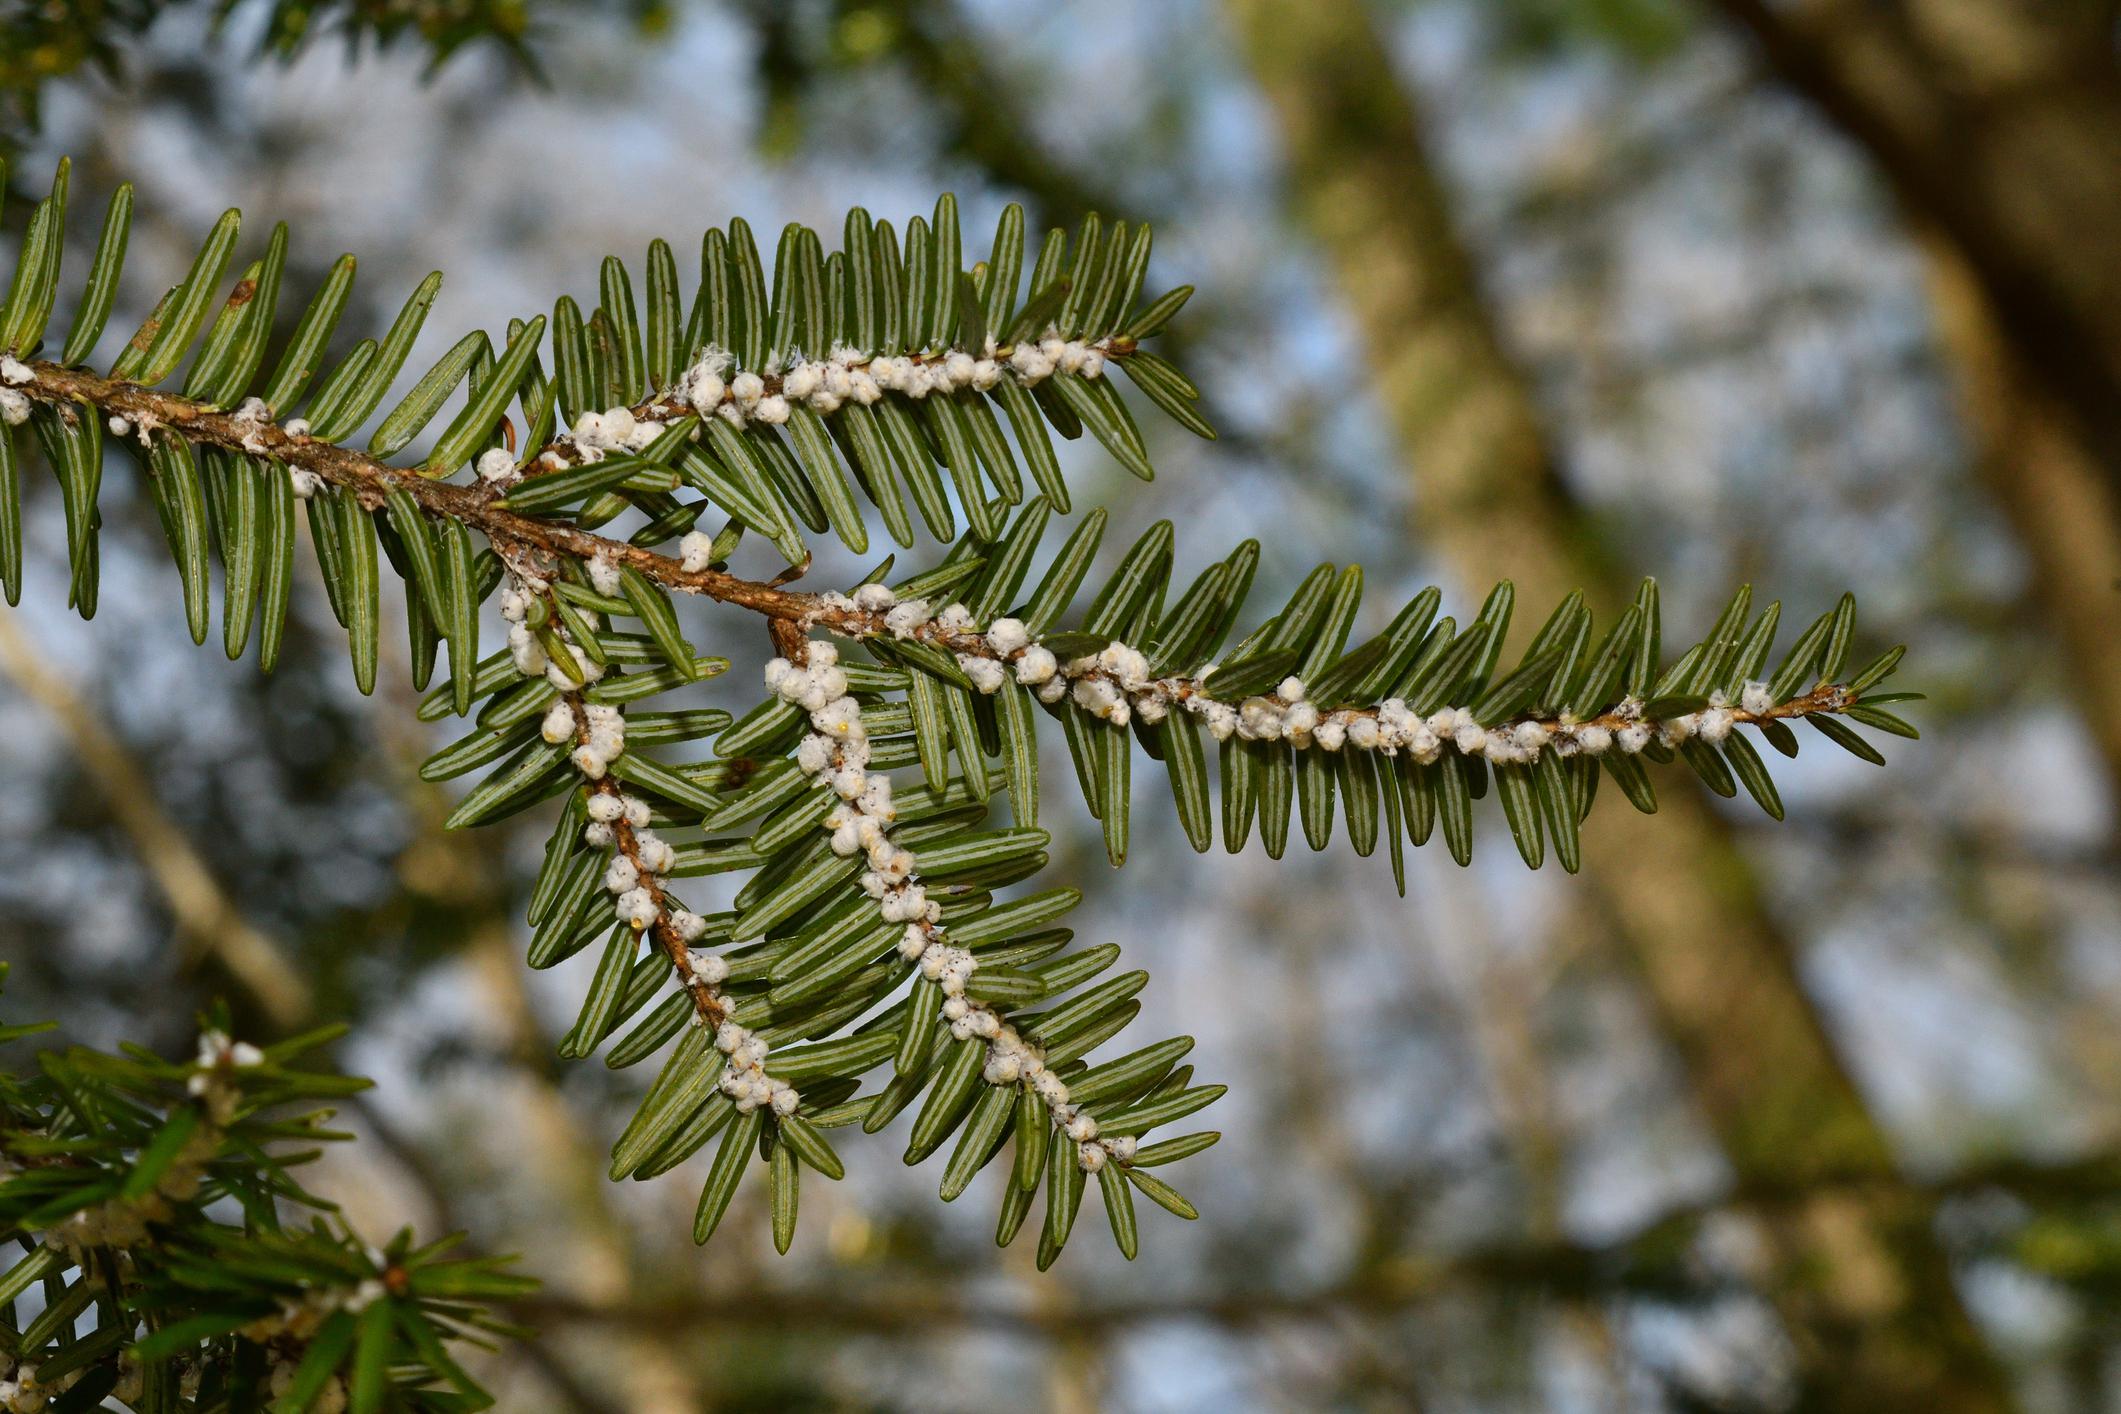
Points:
(521, 540)
(1857, 1275)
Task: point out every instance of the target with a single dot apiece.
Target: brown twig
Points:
(372, 480)
(712, 1008)
(559, 453)
(520, 538)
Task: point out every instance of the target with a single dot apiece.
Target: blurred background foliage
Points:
(1748, 1117)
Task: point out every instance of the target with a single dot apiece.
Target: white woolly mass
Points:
(612, 430)
(607, 732)
(1007, 636)
(607, 735)
(1116, 684)
(744, 1078)
(1127, 666)
(848, 375)
(905, 617)
(604, 576)
(633, 879)
(1036, 665)
(558, 725)
(1221, 718)
(986, 674)
(836, 756)
(657, 856)
(695, 551)
(636, 907)
(591, 672)
(1100, 697)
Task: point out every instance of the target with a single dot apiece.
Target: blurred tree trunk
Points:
(2034, 460)
(1857, 1273)
(2000, 122)
(1997, 123)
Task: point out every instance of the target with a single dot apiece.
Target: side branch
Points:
(148, 412)
(1112, 684)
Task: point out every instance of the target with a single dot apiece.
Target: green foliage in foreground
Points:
(172, 1260)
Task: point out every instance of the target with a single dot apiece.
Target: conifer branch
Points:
(1100, 678)
(145, 411)
(119, 1176)
(875, 931)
